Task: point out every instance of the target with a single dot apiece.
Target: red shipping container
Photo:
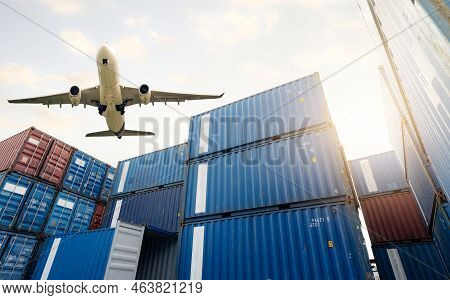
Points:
(97, 218)
(393, 218)
(58, 158)
(25, 152)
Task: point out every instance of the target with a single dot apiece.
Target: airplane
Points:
(111, 98)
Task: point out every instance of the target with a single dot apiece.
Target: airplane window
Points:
(105, 61)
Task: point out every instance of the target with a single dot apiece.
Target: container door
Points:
(56, 163)
(13, 192)
(36, 208)
(61, 214)
(33, 153)
(92, 183)
(77, 172)
(82, 215)
(125, 251)
(16, 256)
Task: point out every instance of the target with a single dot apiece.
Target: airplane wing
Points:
(130, 96)
(90, 96)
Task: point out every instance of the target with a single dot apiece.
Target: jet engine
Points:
(145, 94)
(75, 95)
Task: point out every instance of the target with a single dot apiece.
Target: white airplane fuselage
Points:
(110, 92)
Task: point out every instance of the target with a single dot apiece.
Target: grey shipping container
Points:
(157, 209)
(420, 59)
(293, 170)
(293, 106)
(151, 170)
(378, 173)
(91, 255)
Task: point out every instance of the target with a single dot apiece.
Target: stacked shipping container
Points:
(416, 65)
(415, 72)
(402, 246)
(34, 201)
(147, 190)
(268, 194)
(420, 173)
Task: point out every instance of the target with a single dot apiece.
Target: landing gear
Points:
(101, 109)
(121, 108)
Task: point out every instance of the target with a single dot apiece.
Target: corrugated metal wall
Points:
(76, 256)
(421, 60)
(420, 181)
(297, 169)
(322, 242)
(393, 217)
(158, 258)
(378, 174)
(418, 261)
(286, 108)
(157, 209)
(150, 170)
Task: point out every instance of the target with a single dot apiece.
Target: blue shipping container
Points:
(421, 60)
(414, 261)
(418, 177)
(293, 106)
(107, 184)
(150, 170)
(91, 255)
(70, 213)
(378, 174)
(82, 215)
(302, 168)
(441, 232)
(3, 239)
(36, 208)
(85, 175)
(14, 189)
(16, 256)
(157, 209)
(321, 242)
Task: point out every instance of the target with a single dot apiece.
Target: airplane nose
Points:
(104, 52)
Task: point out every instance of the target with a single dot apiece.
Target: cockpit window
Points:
(105, 61)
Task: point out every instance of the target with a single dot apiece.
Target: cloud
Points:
(64, 7)
(137, 22)
(14, 74)
(142, 24)
(231, 27)
(83, 80)
(131, 47)
(79, 40)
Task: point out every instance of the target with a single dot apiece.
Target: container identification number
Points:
(315, 222)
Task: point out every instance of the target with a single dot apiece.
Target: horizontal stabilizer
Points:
(136, 133)
(125, 133)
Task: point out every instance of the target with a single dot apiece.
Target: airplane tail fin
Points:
(125, 133)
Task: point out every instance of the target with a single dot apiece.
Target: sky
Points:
(239, 47)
